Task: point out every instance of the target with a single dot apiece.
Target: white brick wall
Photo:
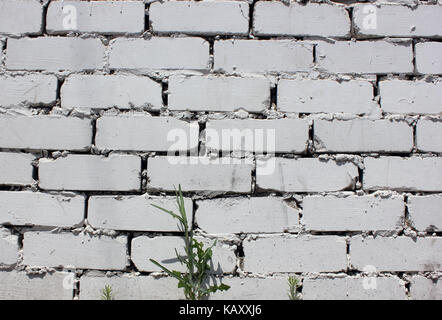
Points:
(428, 57)
(21, 17)
(424, 212)
(425, 289)
(8, 248)
(16, 168)
(429, 136)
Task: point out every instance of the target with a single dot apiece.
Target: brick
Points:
(362, 136)
(135, 213)
(311, 19)
(162, 249)
(21, 17)
(352, 213)
(8, 248)
(41, 209)
(87, 172)
(81, 251)
(424, 212)
(205, 17)
(372, 57)
(425, 289)
(304, 175)
(48, 286)
(398, 21)
(326, 96)
(54, 54)
(127, 287)
(212, 93)
(429, 136)
(403, 174)
(146, 133)
(16, 168)
(428, 57)
(199, 174)
(159, 53)
(354, 288)
(111, 17)
(45, 132)
(396, 254)
(246, 215)
(32, 90)
(295, 254)
(286, 56)
(413, 97)
(102, 92)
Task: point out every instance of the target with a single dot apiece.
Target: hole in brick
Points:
(164, 93)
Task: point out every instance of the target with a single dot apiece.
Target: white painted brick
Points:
(199, 174)
(145, 133)
(396, 254)
(352, 213)
(212, 93)
(45, 132)
(411, 174)
(111, 17)
(295, 254)
(135, 213)
(101, 92)
(49, 286)
(425, 289)
(41, 209)
(429, 57)
(8, 248)
(86, 172)
(127, 287)
(365, 57)
(304, 175)
(363, 136)
(16, 168)
(398, 21)
(286, 56)
(159, 53)
(83, 251)
(353, 288)
(429, 136)
(425, 212)
(202, 17)
(246, 215)
(162, 249)
(327, 96)
(31, 89)
(20, 17)
(279, 135)
(414, 97)
(54, 54)
(311, 19)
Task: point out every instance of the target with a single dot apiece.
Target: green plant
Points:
(106, 293)
(294, 284)
(194, 280)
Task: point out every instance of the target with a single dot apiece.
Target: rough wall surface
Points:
(334, 173)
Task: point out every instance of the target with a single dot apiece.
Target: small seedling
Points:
(196, 260)
(106, 293)
(294, 284)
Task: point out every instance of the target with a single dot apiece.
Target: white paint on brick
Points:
(429, 57)
(212, 93)
(295, 254)
(104, 92)
(328, 96)
(83, 251)
(305, 175)
(425, 212)
(89, 172)
(411, 174)
(429, 136)
(311, 19)
(111, 17)
(425, 289)
(20, 17)
(352, 213)
(8, 248)
(159, 53)
(135, 213)
(41, 209)
(361, 135)
(145, 133)
(45, 132)
(246, 215)
(202, 17)
(253, 56)
(365, 57)
(396, 254)
(16, 168)
(54, 54)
